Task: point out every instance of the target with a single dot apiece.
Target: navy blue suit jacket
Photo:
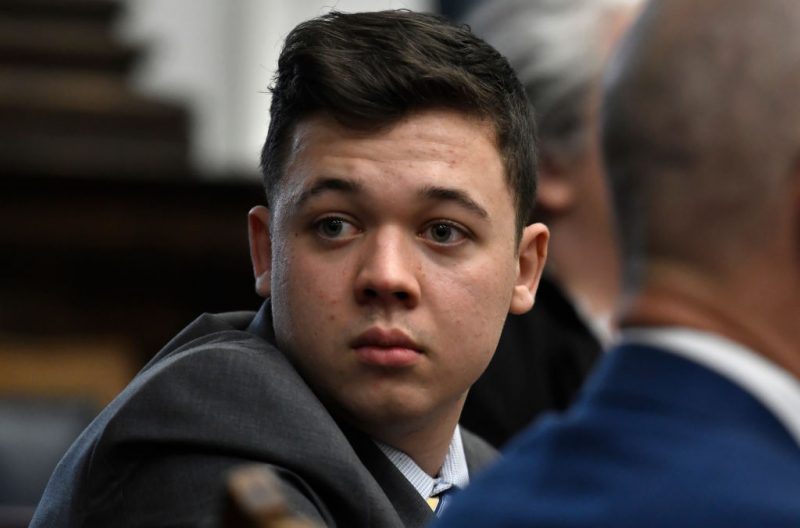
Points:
(654, 440)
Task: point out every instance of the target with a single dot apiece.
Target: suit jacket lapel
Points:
(411, 508)
(477, 451)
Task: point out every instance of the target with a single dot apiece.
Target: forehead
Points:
(435, 147)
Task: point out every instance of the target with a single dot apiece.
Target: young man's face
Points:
(394, 261)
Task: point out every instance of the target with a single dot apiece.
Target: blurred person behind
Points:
(694, 419)
(559, 49)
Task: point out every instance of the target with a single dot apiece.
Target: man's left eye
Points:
(443, 233)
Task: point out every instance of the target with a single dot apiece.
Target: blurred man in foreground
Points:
(399, 177)
(694, 419)
(559, 49)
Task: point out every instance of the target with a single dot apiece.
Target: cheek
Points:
(477, 299)
(306, 317)
(309, 288)
(489, 281)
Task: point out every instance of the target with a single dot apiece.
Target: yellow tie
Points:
(440, 501)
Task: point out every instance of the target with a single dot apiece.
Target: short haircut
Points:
(701, 130)
(559, 50)
(368, 70)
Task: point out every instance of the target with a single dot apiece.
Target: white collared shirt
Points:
(770, 384)
(454, 470)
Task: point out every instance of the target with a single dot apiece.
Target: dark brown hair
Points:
(368, 70)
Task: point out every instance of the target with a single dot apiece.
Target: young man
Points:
(694, 419)
(399, 177)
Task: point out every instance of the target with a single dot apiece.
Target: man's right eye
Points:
(335, 228)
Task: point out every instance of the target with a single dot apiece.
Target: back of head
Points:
(700, 130)
(369, 70)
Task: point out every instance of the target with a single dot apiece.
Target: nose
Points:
(388, 271)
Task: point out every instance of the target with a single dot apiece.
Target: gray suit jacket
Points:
(219, 395)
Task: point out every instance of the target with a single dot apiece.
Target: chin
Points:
(388, 412)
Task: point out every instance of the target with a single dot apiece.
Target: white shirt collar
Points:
(773, 386)
(454, 470)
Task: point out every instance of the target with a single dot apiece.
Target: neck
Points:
(758, 313)
(427, 447)
(586, 267)
(426, 440)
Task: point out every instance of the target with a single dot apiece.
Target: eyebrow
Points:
(458, 196)
(328, 184)
(442, 194)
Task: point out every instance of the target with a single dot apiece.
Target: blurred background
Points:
(129, 140)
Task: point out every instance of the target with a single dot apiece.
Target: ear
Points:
(532, 255)
(555, 191)
(260, 248)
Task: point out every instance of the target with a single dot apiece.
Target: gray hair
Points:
(559, 49)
